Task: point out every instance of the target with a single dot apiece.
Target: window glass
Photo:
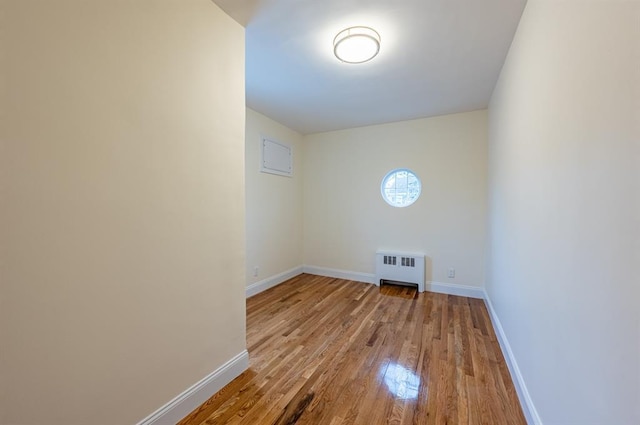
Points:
(400, 187)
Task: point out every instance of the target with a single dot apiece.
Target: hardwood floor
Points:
(335, 352)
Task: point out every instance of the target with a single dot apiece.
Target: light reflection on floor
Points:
(401, 382)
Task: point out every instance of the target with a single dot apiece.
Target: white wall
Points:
(274, 203)
(564, 230)
(346, 220)
(122, 205)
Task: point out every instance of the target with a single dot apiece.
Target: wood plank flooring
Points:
(335, 352)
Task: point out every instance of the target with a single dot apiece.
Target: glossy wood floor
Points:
(335, 352)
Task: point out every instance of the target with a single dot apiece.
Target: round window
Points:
(400, 187)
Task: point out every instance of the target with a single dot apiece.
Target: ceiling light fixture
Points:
(356, 44)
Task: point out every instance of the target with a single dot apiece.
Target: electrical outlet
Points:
(256, 270)
(452, 273)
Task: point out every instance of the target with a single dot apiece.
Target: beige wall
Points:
(564, 192)
(274, 203)
(122, 215)
(346, 220)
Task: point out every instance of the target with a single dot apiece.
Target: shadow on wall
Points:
(428, 269)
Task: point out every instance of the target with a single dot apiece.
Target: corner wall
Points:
(346, 220)
(274, 208)
(122, 206)
(564, 230)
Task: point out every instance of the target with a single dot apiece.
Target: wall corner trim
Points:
(198, 393)
(455, 289)
(341, 274)
(529, 409)
(270, 282)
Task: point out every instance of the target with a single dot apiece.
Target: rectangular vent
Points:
(390, 259)
(408, 262)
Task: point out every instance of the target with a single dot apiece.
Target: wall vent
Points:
(400, 267)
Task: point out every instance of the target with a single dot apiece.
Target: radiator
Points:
(401, 267)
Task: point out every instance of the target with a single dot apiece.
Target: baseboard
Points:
(439, 287)
(529, 410)
(172, 412)
(341, 274)
(270, 282)
(454, 289)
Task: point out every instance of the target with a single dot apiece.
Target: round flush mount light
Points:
(356, 44)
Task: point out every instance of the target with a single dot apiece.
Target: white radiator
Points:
(400, 267)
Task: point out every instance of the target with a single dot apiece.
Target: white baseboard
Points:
(439, 287)
(529, 410)
(270, 282)
(455, 289)
(194, 396)
(341, 274)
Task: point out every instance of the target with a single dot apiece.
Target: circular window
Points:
(400, 187)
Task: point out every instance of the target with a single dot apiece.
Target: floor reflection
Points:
(401, 382)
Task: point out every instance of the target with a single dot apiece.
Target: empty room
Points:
(319, 212)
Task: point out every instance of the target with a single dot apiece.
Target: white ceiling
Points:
(436, 57)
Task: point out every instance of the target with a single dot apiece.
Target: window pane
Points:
(400, 187)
